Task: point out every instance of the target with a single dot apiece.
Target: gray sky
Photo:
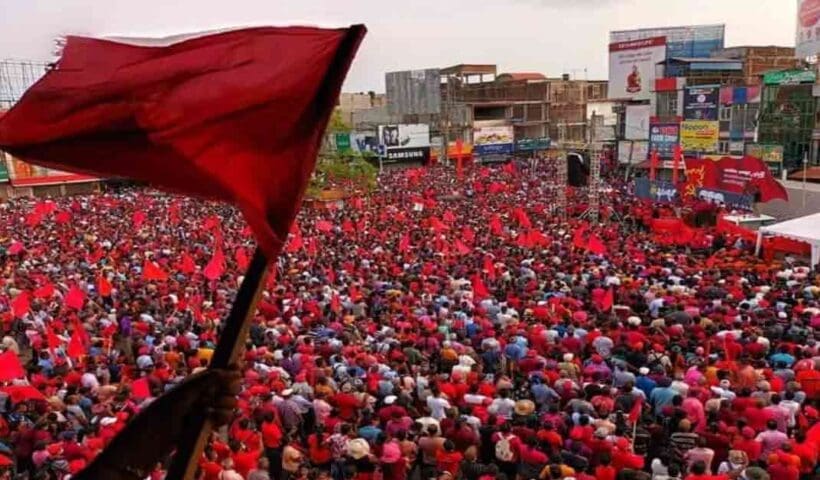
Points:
(548, 36)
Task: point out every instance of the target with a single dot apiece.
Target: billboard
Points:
(531, 144)
(637, 122)
(405, 143)
(699, 135)
(632, 152)
(789, 77)
(493, 140)
(24, 174)
(807, 41)
(413, 92)
(701, 102)
(656, 190)
(663, 137)
(364, 142)
(632, 66)
(685, 41)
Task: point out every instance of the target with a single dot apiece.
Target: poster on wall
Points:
(699, 136)
(632, 152)
(23, 174)
(493, 140)
(637, 122)
(701, 102)
(663, 137)
(807, 41)
(632, 66)
(405, 143)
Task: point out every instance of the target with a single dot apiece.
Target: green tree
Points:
(337, 124)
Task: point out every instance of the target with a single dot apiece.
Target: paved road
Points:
(796, 206)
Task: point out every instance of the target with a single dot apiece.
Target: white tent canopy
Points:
(804, 229)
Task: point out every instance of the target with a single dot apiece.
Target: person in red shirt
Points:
(346, 402)
(698, 472)
(447, 460)
(605, 471)
(209, 465)
(319, 448)
(244, 457)
(747, 443)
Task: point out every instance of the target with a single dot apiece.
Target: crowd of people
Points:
(436, 327)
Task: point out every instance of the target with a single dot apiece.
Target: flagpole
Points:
(231, 342)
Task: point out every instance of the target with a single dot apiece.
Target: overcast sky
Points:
(548, 36)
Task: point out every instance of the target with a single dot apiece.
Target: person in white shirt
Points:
(503, 407)
(437, 404)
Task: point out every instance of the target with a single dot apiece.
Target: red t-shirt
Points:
(210, 470)
(605, 473)
(244, 462)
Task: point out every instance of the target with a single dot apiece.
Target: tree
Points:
(337, 123)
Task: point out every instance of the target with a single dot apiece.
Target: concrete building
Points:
(351, 103)
(758, 60)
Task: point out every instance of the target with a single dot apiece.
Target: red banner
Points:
(745, 176)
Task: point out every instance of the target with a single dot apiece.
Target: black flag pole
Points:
(231, 342)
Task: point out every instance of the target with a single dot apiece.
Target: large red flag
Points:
(480, 290)
(635, 411)
(216, 267)
(171, 115)
(21, 305)
(404, 243)
(45, 291)
(10, 366)
(187, 264)
(76, 347)
(609, 300)
(150, 271)
(461, 248)
(75, 298)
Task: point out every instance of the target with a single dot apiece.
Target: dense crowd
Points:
(436, 327)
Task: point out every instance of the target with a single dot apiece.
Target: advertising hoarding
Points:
(632, 67)
(656, 191)
(531, 144)
(637, 122)
(405, 143)
(807, 38)
(663, 137)
(701, 102)
(413, 92)
(699, 135)
(493, 140)
(683, 41)
(364, 142)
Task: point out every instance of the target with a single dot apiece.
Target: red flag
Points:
(187, 264)
(33, 219)
(347, 226)
(104, 286)
(437, 225)
(324, 226)
(654, 161)
(468, 234)
(76, 348)
(10, 366)
(523, 240)
(44, 291)
(509, 168)
(150, 271)
(479, 289)
(353, 292)
(578, 238)
(295, 244)
(609, 300)
(522, 218)
(335, 303)
(75, 298)
(20, 305)
(496, 227)
(635, 411)
(448, 217)
(140, 389)
(595, 245)
(16, 248)
(52, 339)
(241, 257)
(462, 249)
(170, 115)
(489, 267)
(138, 218)
(63, 216)
(216, 267)
(404, 243)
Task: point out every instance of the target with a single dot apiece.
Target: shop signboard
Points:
(663, 137)
(532, 144)
(699, 135)
(493, 140)
(701, 102)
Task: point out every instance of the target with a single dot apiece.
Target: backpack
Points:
(503, 450)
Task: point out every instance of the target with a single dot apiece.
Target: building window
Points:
(725, 113)
(723, 147)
